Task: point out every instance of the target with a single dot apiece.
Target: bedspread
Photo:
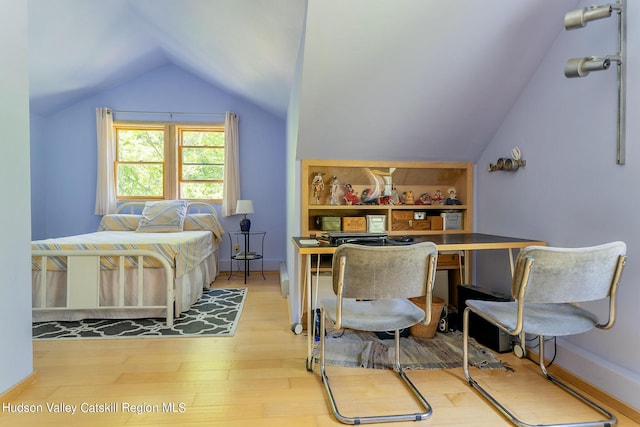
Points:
(184, 250)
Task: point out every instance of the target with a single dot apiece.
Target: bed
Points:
(148, 259)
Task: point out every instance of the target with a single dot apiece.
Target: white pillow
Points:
(163, 216)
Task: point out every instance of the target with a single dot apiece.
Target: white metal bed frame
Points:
(192, 207)
(83, 272)
(83, 279)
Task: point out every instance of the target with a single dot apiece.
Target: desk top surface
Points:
(445, 242)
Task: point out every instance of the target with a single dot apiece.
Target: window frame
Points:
(179, 130)
(172, 163)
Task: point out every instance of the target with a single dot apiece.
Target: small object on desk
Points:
(400, 240)
(339, 238)
(309, 242)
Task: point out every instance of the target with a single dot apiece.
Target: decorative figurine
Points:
(364, 195)
(437, 198)
(318, 186)
(452, 199)
(395, 197)
(350, 197)
(368, 197)
(408, 198)
(424, 199)
(335, 192)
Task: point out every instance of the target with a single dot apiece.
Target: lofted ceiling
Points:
(434, 78)
(248, 47)
(418, 80)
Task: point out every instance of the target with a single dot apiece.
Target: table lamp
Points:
(244, 207)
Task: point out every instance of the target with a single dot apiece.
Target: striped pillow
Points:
(119, 222)
(203, 221)
(163, 216)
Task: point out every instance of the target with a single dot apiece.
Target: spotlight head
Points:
(578, 18)
(581, 67)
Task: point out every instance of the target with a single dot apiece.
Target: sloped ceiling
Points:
(416, 79)
(248, 47)
(388, 79)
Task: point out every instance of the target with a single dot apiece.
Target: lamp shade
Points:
(244, 207)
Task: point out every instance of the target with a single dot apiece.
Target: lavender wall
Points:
(64, 147)
(571, 192)
(38, 175)
(16, 350)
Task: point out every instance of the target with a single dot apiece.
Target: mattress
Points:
(193, 256)
(184, 250)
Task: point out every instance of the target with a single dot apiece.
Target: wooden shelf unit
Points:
(417, 177)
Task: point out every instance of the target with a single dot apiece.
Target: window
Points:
(169, 161)
(140, 162)
(201, 163)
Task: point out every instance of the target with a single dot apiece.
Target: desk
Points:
(446, 242)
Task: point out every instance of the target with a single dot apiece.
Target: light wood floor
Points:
(257, 378)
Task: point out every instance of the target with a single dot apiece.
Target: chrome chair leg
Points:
(375, 418)
(610, 421)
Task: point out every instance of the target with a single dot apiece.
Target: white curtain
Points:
(231, 169)
(105, 188)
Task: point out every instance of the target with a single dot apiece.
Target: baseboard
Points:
(269, 265)
(578, 382)
(17, 389)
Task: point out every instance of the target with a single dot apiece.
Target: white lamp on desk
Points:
(244, 207)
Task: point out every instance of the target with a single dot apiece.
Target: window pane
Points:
(202, 156)
(196, 172)
(203, 138)
(140, 145)
(139, 180)
(201, 190)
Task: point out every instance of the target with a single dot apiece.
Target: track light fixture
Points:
(581, 67)
(578, 18)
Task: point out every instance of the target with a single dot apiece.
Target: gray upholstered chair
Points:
(547, 285)
(372, 286)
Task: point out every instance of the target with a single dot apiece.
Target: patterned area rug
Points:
(366, 350)
(216, 314)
